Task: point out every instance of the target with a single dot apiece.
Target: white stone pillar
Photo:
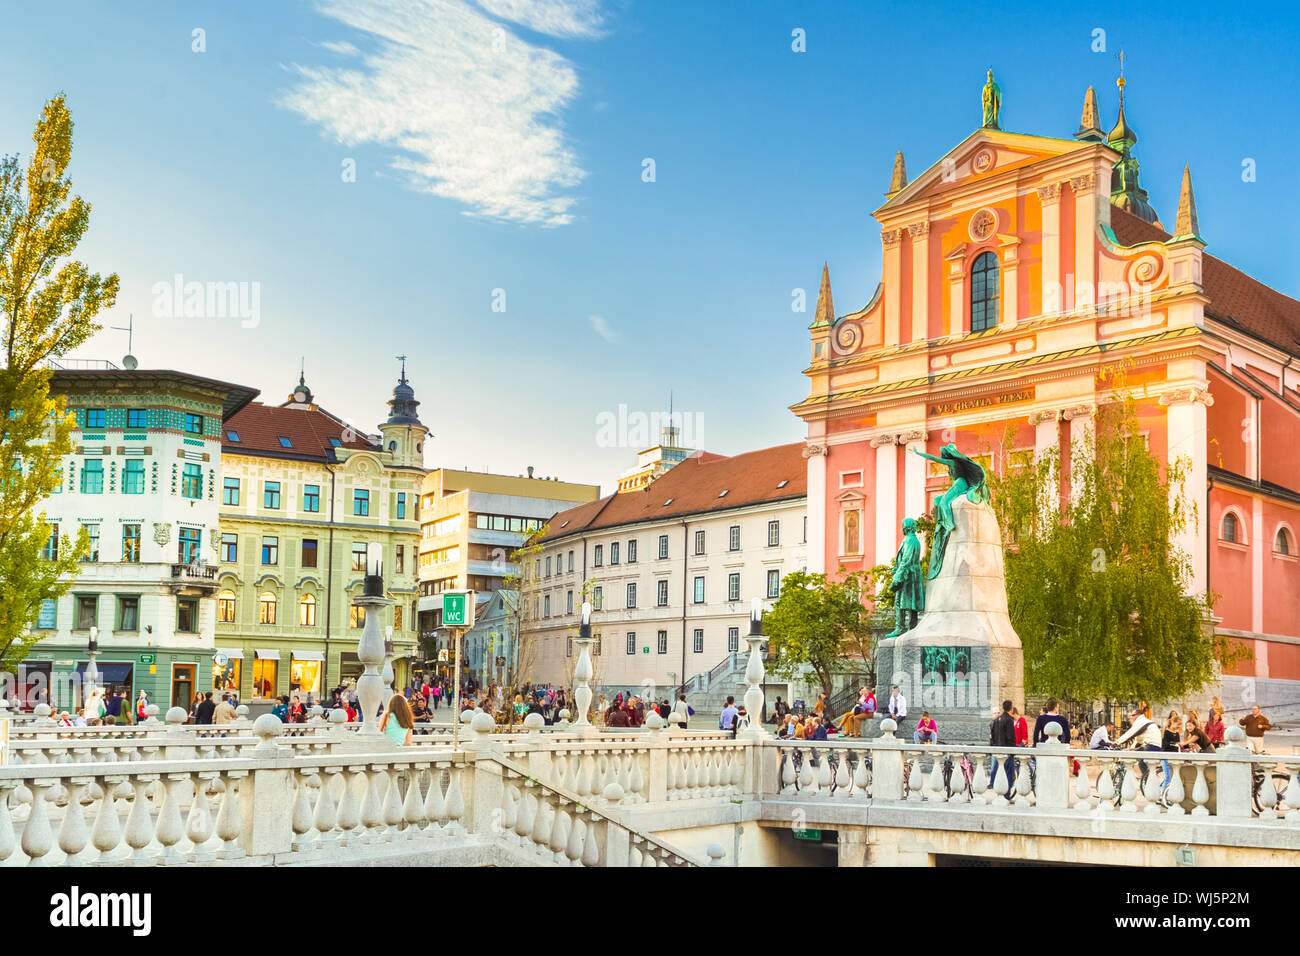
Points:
(886, 499)
(1081, 433)
(1185, 427)
(956, 291)
(1049, 197)
(920, 318)
(816, 453)
(1047, 433)
(913, 476)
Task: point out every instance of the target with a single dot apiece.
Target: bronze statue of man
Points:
(992, 103)
(907, 583)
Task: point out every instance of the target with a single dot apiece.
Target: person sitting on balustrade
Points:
(926, 728)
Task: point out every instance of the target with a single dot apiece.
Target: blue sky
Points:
(500, 145)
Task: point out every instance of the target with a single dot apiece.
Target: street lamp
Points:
(92, 672)
(754, 670)
(583, 672)
(389, 651)
(370, 648)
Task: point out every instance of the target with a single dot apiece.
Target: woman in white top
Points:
(94, 706)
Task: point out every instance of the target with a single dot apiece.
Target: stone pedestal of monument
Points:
(965, 619)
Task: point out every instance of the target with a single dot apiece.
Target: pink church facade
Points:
(1017, 271)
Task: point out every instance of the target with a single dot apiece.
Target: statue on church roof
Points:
(967, 479)
(992, 103)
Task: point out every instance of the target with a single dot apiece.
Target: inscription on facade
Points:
(983, 401)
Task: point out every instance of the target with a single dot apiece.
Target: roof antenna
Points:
(129, 361)
(402, 380)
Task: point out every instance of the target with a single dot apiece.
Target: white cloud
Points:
(472, 109)
(601, 328)
(342, 48)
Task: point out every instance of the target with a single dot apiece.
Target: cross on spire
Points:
(402, 359)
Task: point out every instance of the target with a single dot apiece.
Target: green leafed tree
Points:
(48, 301)
(822, 625)
(1096, 590)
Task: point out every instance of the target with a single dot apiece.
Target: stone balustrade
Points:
(254, 792)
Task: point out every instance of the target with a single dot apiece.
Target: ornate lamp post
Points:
(92, 672)
(583, 672)
(387, 672)
(370, 649)
(754, 671)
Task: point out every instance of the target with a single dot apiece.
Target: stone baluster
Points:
(590, 841)
(509, 812)
(979, 781)
(435, 804)
(200, 823)
(936, 794)
(862, 775)
(624, 765)
(1128, 789)
(350, 807)
(139, 823)
(636, 779)
(326, 815)
(229, 822)
(413, 804)
(38, 835)
(823, 771)
(301, 819)
(1001, 783)
(1201, 792)
(543, 822)
(455, 803)
(807, 778)
(1267, 793)
(915, 778)
(171, 828)
(671, 764)
(107, 834)
(74, 834)
(1291, 797)
(588, 779)
(527, 815)
(1151, 789)
(1175, 793)
(577, 838)
(716, 782)
(787, 772)
(560, 833)
(393, 813)
(1083, 786)
(372, 808)
(957, 781)
(843, 779)
(692, 772)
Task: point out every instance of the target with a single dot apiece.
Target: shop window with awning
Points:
(266, 670)
(227, 669)
(304, 671)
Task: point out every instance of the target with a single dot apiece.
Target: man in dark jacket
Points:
(203, 712)
(1002, 733)
(1053, 715)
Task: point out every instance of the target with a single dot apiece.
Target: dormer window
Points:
(984, 289)
(285, 441)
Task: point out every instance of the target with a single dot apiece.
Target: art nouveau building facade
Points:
(1019, 270)
(302, 495)
(143, 480)
(670, 569)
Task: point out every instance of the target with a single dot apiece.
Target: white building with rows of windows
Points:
(670, 570)
(143, 482)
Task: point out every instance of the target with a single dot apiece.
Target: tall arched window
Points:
(226, 607)
(1231, 532)
(1282, 545)
(266, 608)
(307, 611)
(984, 287)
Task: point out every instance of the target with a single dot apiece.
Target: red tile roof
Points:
(1235, 298)
(693, 487)
(309, 430)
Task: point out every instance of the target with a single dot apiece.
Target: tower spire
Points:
(899, 179)
(1090, 122)
(1125, 190)
(1186, 225)
(825, 307)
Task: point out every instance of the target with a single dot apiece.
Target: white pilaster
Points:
(920, 234)
(1185, 426)
(887, 531)
(891, 239)
(1047, 431)
(1085, 227)
(816, 454)
(913, 476)
(1049, 196)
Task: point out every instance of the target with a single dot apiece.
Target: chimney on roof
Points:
(530, 471)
